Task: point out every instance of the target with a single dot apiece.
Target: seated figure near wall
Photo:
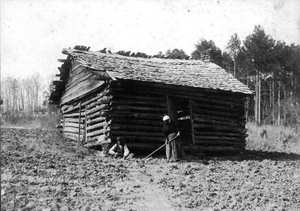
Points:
(120, 150)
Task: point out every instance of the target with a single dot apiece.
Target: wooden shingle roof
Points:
(191, 73)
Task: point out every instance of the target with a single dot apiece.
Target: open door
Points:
(179, 111)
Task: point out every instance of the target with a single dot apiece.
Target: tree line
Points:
(23, 96)
(268, 67)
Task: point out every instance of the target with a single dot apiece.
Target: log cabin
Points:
(103, 96)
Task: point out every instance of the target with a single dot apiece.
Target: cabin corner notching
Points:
(105, 96)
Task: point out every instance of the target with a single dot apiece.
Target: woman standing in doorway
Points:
(174, 149)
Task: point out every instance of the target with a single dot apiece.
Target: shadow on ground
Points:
(234, 156)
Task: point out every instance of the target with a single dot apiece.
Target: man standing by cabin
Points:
(174, 150)
(120, 150)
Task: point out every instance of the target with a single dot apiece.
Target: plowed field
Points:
(42, 171)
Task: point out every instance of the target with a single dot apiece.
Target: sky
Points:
(34, 32)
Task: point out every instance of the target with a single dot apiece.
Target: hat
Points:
(166, 117)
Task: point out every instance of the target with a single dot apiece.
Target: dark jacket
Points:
(169, 128)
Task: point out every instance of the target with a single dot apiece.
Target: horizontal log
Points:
(138, 108)
(229, 115)
(96, 103)
(135, 133)
(241, 120)
(150, 122)
(201, 133)
(96, 114)
(98, 108)
(72, 130)
(219, 138)
(139, 128)
(220, 143)
(74, 115)
(71, 124)
(216, 149)
(215, 122)
(216, 144)
(74, 120)
(75, 108)
(99, 125)
(140, 139)
(96, 120)
(96, 133)
(127, 96)
(138, 103)
(218, 128)
(97, 141)
(99, 98)
(240, 104)
(95, 96)
(104, 113)
(140, 116)
(208, 105)
(71, 136)
(106, 100)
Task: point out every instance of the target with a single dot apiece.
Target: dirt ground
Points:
(42, 171)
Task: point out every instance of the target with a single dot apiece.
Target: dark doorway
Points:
(180, 112)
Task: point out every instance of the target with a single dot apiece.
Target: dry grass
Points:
(47, 121)
(277, 138)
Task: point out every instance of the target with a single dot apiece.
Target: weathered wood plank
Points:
(72, 82)
(81, 90)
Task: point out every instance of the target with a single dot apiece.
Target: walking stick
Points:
(160, 147)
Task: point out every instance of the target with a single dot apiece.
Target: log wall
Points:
(136, 114)
(134, 111)
(219, 125)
